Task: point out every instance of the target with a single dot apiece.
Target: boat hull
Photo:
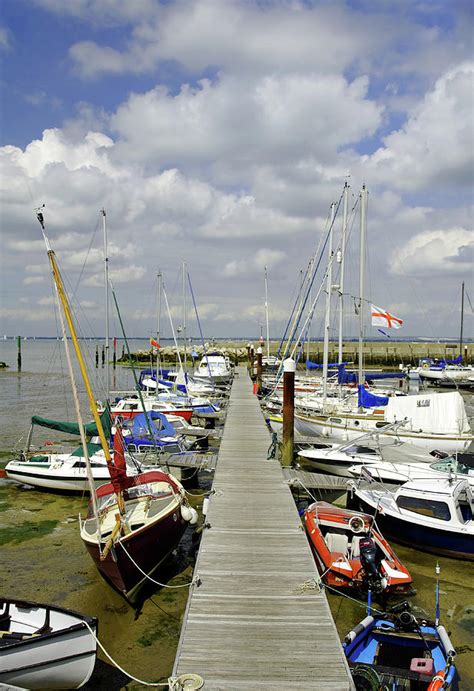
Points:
(61, 481)
(348, 429)
(61, 659)
(148, 547)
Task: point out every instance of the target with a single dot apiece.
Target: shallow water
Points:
(43, 558)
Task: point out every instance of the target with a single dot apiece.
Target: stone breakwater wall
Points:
(379, 353)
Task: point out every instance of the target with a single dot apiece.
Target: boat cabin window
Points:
(144, 449)
(132, 448)
(381, 424)
(425, 507)
(335, 420)
(130, 406)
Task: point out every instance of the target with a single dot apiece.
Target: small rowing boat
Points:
(44, 646)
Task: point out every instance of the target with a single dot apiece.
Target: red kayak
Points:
(351, 554)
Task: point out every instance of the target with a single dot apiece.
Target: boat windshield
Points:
(358, 448)
(448, 464)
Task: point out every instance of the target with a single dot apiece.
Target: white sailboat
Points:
(132, 523)
(434, 421)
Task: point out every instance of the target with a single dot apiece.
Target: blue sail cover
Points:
(316, 365)
(457, 361)
(369, 400)
(344, 377)
(139, 428)
(372, 376)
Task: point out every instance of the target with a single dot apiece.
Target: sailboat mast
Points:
(341, 281)
(77, 348)
(158, 324)
(266, 315)
(80, 422)
(184, 312)
(67, 313)
(462, 321)
(328, 306)
(106, 284)
(363, 229)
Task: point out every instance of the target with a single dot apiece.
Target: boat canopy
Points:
(158, 422)
(443, 413)
(72, 427)
(91, 450)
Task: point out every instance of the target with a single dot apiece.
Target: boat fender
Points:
(361, 626)
(189, 514)
(437, 682)
(205, 506)
(444, 638)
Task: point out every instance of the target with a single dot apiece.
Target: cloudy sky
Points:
(218, 133)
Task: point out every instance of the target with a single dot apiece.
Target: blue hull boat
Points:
(398, 651)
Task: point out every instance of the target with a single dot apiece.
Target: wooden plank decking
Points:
(256, 621)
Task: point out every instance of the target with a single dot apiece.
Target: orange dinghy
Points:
(351, 554)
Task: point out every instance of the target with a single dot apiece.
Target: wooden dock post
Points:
(96, 356)
(289, 369)
(19, 353)
(115, 353)
(259, 371)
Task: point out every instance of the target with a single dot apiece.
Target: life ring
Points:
(356, 524)
(438, 680)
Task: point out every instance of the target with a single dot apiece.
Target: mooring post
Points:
(259, 371)
(96, 356)
(19, 353)
(103, 356)
(289, 369)
(251, 360)
(115, 353)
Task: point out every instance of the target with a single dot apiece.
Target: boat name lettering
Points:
(424, 403)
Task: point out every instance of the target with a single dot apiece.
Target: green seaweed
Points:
(26, 531)
(168, 629)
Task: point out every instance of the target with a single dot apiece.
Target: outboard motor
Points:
(370, 564)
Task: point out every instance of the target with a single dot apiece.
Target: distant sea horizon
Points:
(250, 339)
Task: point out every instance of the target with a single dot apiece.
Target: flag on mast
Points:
(154, 343)
(381, 317)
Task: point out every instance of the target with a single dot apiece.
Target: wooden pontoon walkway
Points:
(256, 621)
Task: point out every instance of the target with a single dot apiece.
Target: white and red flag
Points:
(384, 318)
(154, 343)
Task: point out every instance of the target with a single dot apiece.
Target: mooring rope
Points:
(194, 581)
(130, 676)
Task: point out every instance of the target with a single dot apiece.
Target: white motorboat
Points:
(461, 465)
(45, 647)
(368, 450)
(214, 367)
(431, 516)
(64, 472)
